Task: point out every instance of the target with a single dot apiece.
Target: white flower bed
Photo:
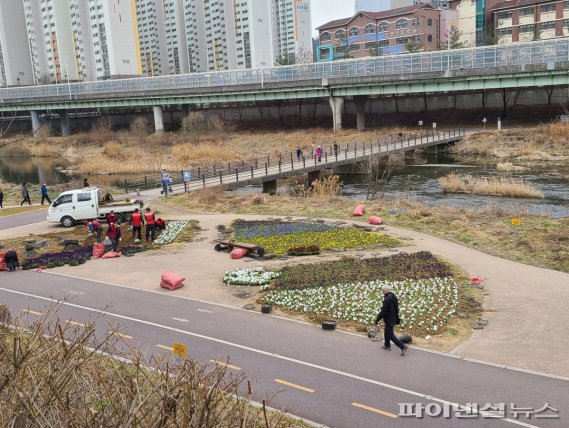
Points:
(173, 229)
(426, 304)
(254, 276)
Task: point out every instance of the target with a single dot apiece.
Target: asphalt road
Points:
(332, 378)
(22, 219)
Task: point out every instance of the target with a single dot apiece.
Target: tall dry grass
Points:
(495, 186)
(325, 188)
(55, 375)
(139, 129)
(202, 154)
(101, 132)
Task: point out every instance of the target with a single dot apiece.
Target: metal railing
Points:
(289, 163)
(517, 54)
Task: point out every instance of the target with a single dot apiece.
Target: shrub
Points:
(101, 131)
(139, 128)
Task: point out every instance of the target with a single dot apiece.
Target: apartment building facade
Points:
(151, 23)
(380, 33)
(526, 20)
(292, 30)
(15, 59)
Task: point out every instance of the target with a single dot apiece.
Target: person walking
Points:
(44, 194)
(319, 153)
(150, 224)
(1, 198)
(96, 228)
(390, 314)
(336, 149)
(115, 235)
(298, 153)
(136, 221)
(11, 259)
(85, 183)
(165, 177)
(25, 195)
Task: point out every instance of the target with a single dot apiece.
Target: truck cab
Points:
(75, 205)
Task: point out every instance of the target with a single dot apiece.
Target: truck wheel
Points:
(67, 221)
(120, 218)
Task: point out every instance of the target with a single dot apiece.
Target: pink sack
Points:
(170, 286)
(374, 220)
(3, 265)
(172, 280)
(111, 255)
(98, 250)
(359, 211)
(238, 253)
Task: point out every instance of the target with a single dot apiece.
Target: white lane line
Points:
(181, 319)
(270, 354)
(205, 311)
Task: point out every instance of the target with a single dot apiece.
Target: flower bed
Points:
(425, 305)
(327, 239)
(304, 251)
(253, 276)
(247, 230)
(51, 260)
(173, 229)
(396, 267)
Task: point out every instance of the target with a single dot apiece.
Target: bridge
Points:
(519, 65)
(268, 170)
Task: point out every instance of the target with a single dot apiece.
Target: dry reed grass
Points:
(328, 187)
(508, 167)
(58, 375)
(184, 155)
(495, 186)
(139, 129)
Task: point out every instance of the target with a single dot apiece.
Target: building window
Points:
(430, 22)
(527, 28)
(325, 37)
(544, 8)
(505, 32)
(340, 34)
(370, 29)
(401, 41)
(401, 24)
(383, 26)
(528, 11)
(505, 15)
(429, 38)
(547, 25)
(566, 5)
(325, 53)
(354, 31)
(354, 47)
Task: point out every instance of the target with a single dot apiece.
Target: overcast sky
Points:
(328, 10)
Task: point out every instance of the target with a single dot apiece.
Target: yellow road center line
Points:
(221, 363)
(373, 409)
(80, 324)
(169, 348)
(29, 311)
(124, 336)
(294, 385)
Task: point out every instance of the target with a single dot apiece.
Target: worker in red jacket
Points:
(114, 234)
(150, 224)
(95, 227)
(111, 217)
(136, 221)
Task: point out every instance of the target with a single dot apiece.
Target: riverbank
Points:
(537, 240)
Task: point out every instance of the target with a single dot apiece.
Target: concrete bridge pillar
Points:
(313, 176)
(64, 121)
(337, 103)
(360, 102)
(270, 187)
(35, 123)
(158, 119)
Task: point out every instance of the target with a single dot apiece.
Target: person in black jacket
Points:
(390, 315)
(11, 259)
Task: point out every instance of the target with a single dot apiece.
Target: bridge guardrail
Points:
(257, 168)
(516, 54)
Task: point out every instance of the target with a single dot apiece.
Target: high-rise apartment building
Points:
(115, 38)
(176, 37)
(15, 60)
(292, 30)
(151, 22)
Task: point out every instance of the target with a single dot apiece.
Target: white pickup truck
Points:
(84, 204)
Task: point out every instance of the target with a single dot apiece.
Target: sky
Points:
(328, 10)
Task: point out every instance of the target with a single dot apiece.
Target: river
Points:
(417, 182)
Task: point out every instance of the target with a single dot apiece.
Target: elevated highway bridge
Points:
(520, 65)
